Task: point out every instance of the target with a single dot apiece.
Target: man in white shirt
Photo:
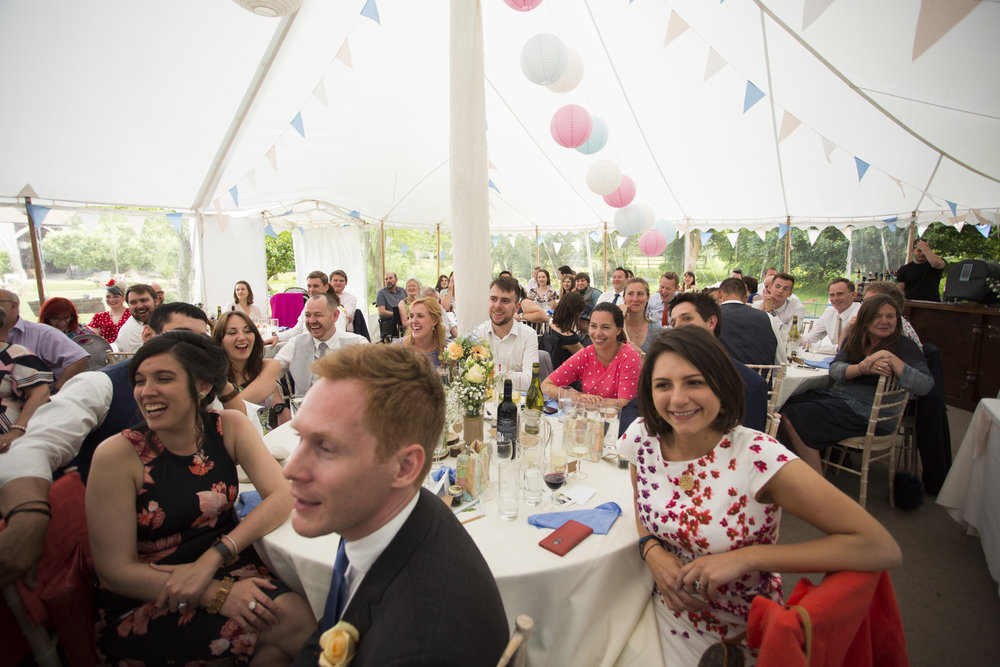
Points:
(669, 282)
(316, 283)
(367, 429)
(616, 295)
(514, 345)
(533, 283)
(141, 300)
(320, 338)
(824, 337)
(779, 301)
(348, 302)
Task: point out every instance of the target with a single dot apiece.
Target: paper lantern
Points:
(604, 177)
(623, 196)
(571, 125)
(652, 243)
(573, 75)
(271, 8)
(597, 139)
(633, 219)
(523, 5)
(543, 59)
(668, 228)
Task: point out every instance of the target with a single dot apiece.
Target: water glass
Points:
(508, 488)
(530, 421)
(566, 398)
(532, 471)
(610, 412)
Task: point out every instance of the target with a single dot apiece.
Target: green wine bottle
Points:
(534, 400)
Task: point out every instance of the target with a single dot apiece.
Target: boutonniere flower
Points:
(339, 645)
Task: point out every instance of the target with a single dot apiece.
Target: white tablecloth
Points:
(589, 607)
(971, 492)
(799, 378)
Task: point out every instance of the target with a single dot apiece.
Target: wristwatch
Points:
(278, 408)
(642, 544)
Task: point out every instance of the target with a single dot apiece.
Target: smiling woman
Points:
(426, 329)
(249, 372)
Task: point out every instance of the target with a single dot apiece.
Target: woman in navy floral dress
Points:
(709, 494)
(175, 587)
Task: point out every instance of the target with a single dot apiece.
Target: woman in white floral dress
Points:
(709, 495)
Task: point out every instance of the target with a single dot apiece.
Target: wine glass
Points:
(555, 465)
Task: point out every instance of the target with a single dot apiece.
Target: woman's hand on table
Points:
(589, 399)
(704, 575)
(245, 594)
(666, 569)
(186, 584)
(8, 438)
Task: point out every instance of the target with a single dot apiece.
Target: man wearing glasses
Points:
(62, 355)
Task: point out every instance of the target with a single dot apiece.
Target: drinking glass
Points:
(579, 427)
(529, 455)
(508, 488)
(504, 448)
(555, 464)
(566, 398)
(609, 413)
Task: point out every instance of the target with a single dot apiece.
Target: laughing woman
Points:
(174, 587)
(708, 499)
(426, 329)
(254, 376)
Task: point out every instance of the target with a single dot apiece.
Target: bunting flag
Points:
(490, 165)
(733, 238)
(752, 95)
(175, 220)
(813, 235)
(984, 230)
(136, 222)
(269, 231)
(344, 55)
(788, 125)
(828, 147)
(892, 219)
(493, 185)
(936, 18)
(862, 167)
(388, 239)
(90, 220)
(27, 191)
(979, 216)
(782, 230)
(812, 11)
(319, 92)
(595, 236)
(38, 213)
(621, 241)
(234, 192)
(354, 214)
(676, 26)
(217, 205)
(539, 241)
(297, 124)
(900, 184)
(370, 11)
(713, 64)
(252, 178)
(223, 221)
(496, 239)
(922, 228)
(272, 157)
(959, 226)
(761, 233)
(576, 246)
(892, 226)
(556, 245)
(954, 208)
(705, 237)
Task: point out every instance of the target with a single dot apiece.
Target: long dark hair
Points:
(255, 362)
(567, 313)
(859, 339)
(616, 315)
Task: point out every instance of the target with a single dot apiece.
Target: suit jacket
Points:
(429, 599)
(755, 390)
(747, 334)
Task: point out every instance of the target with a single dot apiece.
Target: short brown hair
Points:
(787, 277)
(892, 290)
(735, 287)
(507, 284)
(703, 351)
(846, 281)
(404, 400)
(670, 275)
(338, 272)
(141, 287)
(319, 275)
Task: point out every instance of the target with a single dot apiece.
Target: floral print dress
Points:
(717, 513)
(186, 503)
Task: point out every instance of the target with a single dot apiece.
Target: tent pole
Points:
(911, 236)
(537, 263)
(381, 244)
(438, 272)
(788, 244)
(35, 254)
(605, 256)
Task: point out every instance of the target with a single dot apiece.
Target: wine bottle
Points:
(534, 399)
(507, 420)
(218, 313)
(793, 337)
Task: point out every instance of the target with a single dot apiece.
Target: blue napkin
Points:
(436, 475)
(601, 518)
(825, 363)
(246, 502)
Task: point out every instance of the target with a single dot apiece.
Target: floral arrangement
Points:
(471, 362)
(339, 645)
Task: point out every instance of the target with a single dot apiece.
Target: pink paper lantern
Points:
(523, 5)
(623, 196)
(571, 126)
(652, 243)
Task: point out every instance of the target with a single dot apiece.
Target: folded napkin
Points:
(246, 502)
(824, 363)
(601, 518)
(436, 475)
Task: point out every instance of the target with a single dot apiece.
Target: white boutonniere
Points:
(339, 645)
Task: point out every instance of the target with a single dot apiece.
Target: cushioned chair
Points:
(517, 648)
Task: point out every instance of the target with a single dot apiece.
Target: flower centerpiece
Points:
(472, 370)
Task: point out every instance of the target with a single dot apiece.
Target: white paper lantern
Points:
(270, 8)
(604, 177)
(544, 58)
(573, 75)
(634, 219)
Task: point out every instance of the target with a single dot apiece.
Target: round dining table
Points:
(591, 606)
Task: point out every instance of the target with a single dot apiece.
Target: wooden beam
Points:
(36, 255)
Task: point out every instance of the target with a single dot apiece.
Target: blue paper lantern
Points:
(598, 137)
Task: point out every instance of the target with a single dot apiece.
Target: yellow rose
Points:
(476, 374)
(339, 645)
(480, 352)
(454, 351)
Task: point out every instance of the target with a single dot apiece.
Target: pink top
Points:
(619, 380)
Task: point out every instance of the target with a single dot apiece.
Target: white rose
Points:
(476, 374)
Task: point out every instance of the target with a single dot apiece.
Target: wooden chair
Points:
(890, 402)
(773, 375)
(517, 648)
(115, 357)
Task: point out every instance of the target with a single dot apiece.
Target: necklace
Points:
(633, 334)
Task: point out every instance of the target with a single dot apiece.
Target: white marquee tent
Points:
(739, 113)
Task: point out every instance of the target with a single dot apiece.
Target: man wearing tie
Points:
(617, 294)
(659, 300)
(407, 575)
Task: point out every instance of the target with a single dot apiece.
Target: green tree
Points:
(280, 254)
(113, 246)
(5, 263)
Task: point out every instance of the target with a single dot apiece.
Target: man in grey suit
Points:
(407, 575)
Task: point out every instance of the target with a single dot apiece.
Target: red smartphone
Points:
(565, 537)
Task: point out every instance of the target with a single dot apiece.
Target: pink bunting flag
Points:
(222, 221)
(676, 26)
(936, 19)
(788, 125)
(344, 54)
(713, 64)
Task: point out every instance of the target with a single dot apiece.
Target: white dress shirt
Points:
(300, 327)
(655, 307)
(609, 297)
(515, 352)
(349, 305)
(337, 339)
(791, 308)
(130, 336)
(362, 553)
(824, 337)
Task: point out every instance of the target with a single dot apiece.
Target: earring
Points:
(201, 395)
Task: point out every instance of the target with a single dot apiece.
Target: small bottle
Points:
(507, 420)
(218, 313)
(793, 337)
(534, 400)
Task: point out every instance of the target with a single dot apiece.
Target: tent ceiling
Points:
(128, 102)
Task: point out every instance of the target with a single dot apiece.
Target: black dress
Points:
(186, 503)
